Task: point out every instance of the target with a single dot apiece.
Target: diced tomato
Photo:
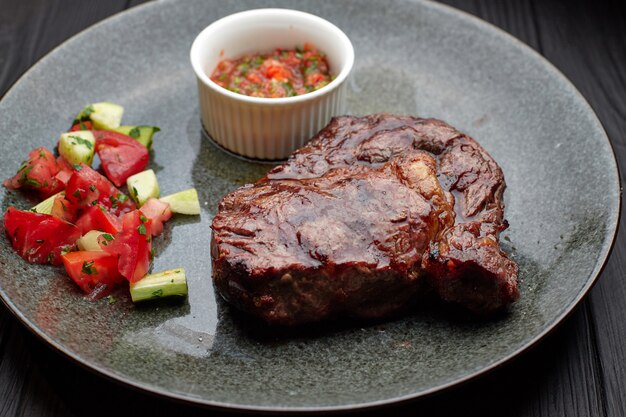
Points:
(254, 78)
(133, 246)
(314, 78)
(98, 218)
(157, 212)
(87, 188)
(65, 170)
(63, 209)
(89, 269)
(85, 125)
(120, 155)
(37, 173)
(277, 71)
(39, 238)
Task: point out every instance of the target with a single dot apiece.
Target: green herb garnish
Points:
(81, 141)
(88, 268)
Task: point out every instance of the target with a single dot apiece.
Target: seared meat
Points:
(355, 223)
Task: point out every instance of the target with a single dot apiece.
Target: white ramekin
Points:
(268, 128)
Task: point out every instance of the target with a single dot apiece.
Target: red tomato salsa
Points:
(281, 73)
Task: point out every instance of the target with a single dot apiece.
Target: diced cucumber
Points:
(89, 241)
(183, 202)
(143, 186)
(45, 207)
(168, 283)
(104, 115)
(143, 134)
(77, 147)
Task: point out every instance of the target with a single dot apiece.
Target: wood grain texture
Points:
(592, 54)
(30, 29)
(579, 370)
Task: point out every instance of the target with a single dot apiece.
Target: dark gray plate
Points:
(412, 57)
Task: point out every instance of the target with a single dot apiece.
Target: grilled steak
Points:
(362, 218)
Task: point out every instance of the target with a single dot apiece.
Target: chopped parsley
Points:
(311, 67)
(31, 181)
(25, 169)
(81, 141)
(134, 132)
(87, 111)
(114, 201)
(88, 268)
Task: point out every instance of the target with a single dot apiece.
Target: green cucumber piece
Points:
(143, 134)
(89, 241)
(77, 147)
(104, 115)
(45, 207)
(143, 186)
(184, 202)
(172, 282)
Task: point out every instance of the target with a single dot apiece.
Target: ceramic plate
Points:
(411, 57)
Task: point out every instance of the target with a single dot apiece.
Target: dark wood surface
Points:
(579, 370)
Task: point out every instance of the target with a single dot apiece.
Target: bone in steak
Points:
(363, 218)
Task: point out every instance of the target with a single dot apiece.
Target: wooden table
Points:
(579, 370)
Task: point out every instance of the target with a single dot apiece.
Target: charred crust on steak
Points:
(358, 221)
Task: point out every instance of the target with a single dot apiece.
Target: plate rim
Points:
(602, 261)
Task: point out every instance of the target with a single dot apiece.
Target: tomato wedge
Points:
(158, 212)
(133, 246)
(120, 155)
(37, 173)
(39, 238)
(87, 188)
(88, 269)
(65, 170)
(98, 218)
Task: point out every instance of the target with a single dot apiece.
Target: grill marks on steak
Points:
(464, 165)
(355, 221)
